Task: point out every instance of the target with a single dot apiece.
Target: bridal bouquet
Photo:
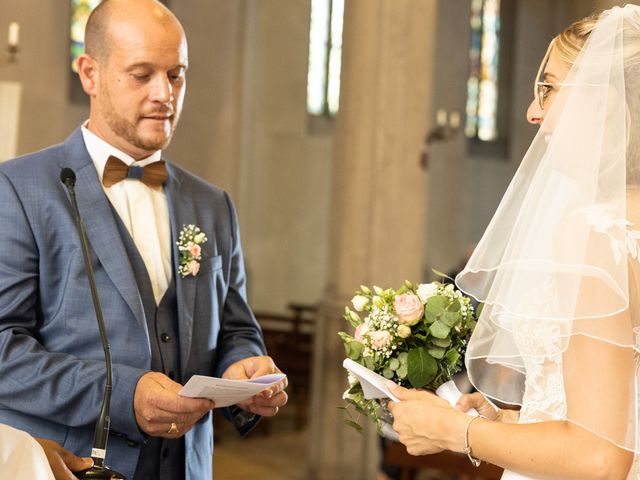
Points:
(415, 336)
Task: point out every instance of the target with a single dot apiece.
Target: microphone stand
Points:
(99, 470)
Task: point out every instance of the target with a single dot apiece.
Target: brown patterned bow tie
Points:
(153, 175)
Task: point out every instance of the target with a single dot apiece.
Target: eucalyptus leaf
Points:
(436, 353)
(387, 373)
(441, 342)
(402, 371)
(452, 357)
(368, 362)
(455, 306)
(436, 305)
(439, 329)
(354, 350)
(394, 363)
(422, 367)
(450, 318)
(402, 358)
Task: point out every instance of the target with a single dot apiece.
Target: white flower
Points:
(359, 302)
(426, 291)
(404, 331)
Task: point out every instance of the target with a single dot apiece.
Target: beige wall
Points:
(286, 194)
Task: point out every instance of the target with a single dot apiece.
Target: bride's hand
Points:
(425, 423)
(485, 408)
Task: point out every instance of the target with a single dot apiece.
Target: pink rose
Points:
(409, 308)
(380, 339)
(193, 267)
(195, 250)
(361, 331)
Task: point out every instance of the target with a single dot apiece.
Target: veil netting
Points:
(558, 267)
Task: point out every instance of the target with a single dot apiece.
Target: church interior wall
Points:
(245, 127)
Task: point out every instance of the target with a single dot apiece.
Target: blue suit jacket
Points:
(52, 370)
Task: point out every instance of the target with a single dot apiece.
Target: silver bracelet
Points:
(467, 449)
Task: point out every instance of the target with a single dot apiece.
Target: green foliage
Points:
(422, 367)
(428, 357)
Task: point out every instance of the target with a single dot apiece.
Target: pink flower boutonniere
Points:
(189, 247)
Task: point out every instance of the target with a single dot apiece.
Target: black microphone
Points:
(101, 433)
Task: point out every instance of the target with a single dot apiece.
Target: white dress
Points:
(544, 398)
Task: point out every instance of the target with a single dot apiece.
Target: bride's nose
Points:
(535, 114)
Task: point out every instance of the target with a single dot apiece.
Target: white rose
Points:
(359, 302)
(426, 291)
(404, 331)
(199, 238)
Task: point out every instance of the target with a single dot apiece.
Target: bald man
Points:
(169, 313)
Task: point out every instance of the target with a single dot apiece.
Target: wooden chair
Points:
(445, 462)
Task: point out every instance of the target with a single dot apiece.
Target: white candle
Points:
(14, 34)
(441, 117)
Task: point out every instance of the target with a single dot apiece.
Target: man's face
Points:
(140, 87)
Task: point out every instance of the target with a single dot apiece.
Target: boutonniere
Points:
(189, 246)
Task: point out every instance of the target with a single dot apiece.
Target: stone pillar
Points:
(379, 201)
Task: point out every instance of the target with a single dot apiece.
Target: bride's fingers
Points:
(473, 400)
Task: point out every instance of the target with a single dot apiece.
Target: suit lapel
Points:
(100, 227)
(181, 213)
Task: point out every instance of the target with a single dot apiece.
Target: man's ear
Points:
(89, 74)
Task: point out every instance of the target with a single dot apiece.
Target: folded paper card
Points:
(226, 392)
(376, 386)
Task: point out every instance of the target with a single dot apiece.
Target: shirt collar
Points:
(100, 151)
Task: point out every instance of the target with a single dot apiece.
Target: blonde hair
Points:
(568, 44)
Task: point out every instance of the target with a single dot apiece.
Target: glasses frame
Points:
(540, 96)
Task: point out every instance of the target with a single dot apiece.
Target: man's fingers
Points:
(157, 405)
(75, 464)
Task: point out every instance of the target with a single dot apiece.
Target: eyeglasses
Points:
(543, 89)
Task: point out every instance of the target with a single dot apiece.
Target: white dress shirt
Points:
(143, 211)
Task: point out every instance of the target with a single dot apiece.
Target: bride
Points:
(558, 270)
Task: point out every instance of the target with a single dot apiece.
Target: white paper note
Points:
(227, 392)
(375, 386)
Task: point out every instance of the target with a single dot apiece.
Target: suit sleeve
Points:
(240, 334)
(55, 386)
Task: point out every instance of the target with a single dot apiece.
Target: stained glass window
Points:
(80, 10)
(325, 56)
(482, 85)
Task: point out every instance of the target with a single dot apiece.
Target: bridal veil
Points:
(557, 266)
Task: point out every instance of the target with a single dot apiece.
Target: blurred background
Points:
(363, 141)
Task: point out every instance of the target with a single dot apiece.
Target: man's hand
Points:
(267, 402)
(157, 406)
(62, 461)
